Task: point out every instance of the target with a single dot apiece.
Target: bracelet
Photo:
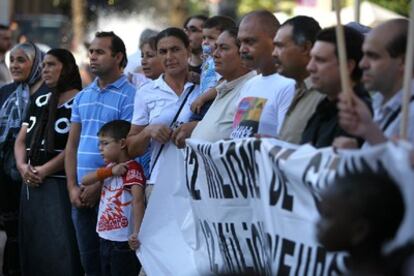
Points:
(103, 173)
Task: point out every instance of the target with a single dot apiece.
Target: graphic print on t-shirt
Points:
(247, 118)
(113, 216)
(115, 206)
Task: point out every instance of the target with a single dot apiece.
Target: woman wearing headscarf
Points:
(25, 68)
(46, 233)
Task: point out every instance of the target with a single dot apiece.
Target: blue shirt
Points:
(92, 108)
(209, 77)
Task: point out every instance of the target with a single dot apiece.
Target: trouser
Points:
(84, 220)
(117, 259)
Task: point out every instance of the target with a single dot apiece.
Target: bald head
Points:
(383, 63)
(394, 34)
(264, 19)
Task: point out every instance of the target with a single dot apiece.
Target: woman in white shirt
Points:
(163, 104)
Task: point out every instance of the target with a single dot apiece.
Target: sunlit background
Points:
(72, 23)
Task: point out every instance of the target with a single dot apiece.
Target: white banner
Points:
(249, 205)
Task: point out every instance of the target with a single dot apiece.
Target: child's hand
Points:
(197, 104)
(119, 169)
(133, 241)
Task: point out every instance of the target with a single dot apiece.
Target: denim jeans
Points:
(117, 259)
(84, 220)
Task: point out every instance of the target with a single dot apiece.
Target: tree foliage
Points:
(246, 6)
(399, 6)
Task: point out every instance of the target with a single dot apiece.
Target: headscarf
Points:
(69, 79)
(14, 108)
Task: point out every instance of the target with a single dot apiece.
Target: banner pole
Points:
(340, 38)
(408, 75)
(357, 11)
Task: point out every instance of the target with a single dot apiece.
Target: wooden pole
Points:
(357, 11)
(340, 38)
(408, 76)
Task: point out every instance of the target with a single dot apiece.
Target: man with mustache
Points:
(265, 98)
(293, 43)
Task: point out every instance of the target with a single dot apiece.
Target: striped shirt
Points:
(92, 108)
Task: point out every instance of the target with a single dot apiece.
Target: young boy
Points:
(209, 77)
(359, 213)
(121, 207)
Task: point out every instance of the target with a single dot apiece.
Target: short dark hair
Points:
(117, 46)
(175, 32)
(219, 22)
(353, 44)
(201, 17)
(397, 46)
(117, 129)
(233, 33)
(376, 198)
(304, 28)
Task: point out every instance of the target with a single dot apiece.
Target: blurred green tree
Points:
(399, 6)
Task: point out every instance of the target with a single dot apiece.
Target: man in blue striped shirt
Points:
(109, 97)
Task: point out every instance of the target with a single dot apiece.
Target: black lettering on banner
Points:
(278, 183)
(320, 260)
(304, 259)
(274, 152)
(318, 172)
(273, 243)
(240, 164)
(279, 190)
(312, 169)
(308, 259)
(334, 267)
(299, 261)
(248, 156)
(257, 249)
(237, 247)
(233, 160)
(192, 173)
(209, 238)
(230, 248)
(288, 248)
(213, 178)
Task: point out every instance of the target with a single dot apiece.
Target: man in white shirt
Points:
(383, 67)
(265, 99)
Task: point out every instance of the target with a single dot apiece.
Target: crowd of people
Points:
(74, 169)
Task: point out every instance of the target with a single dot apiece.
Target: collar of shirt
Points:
(224, 87)
(160, 84)
(382, 109)
(118, 84)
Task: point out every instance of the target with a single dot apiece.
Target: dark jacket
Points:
(323, 126)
